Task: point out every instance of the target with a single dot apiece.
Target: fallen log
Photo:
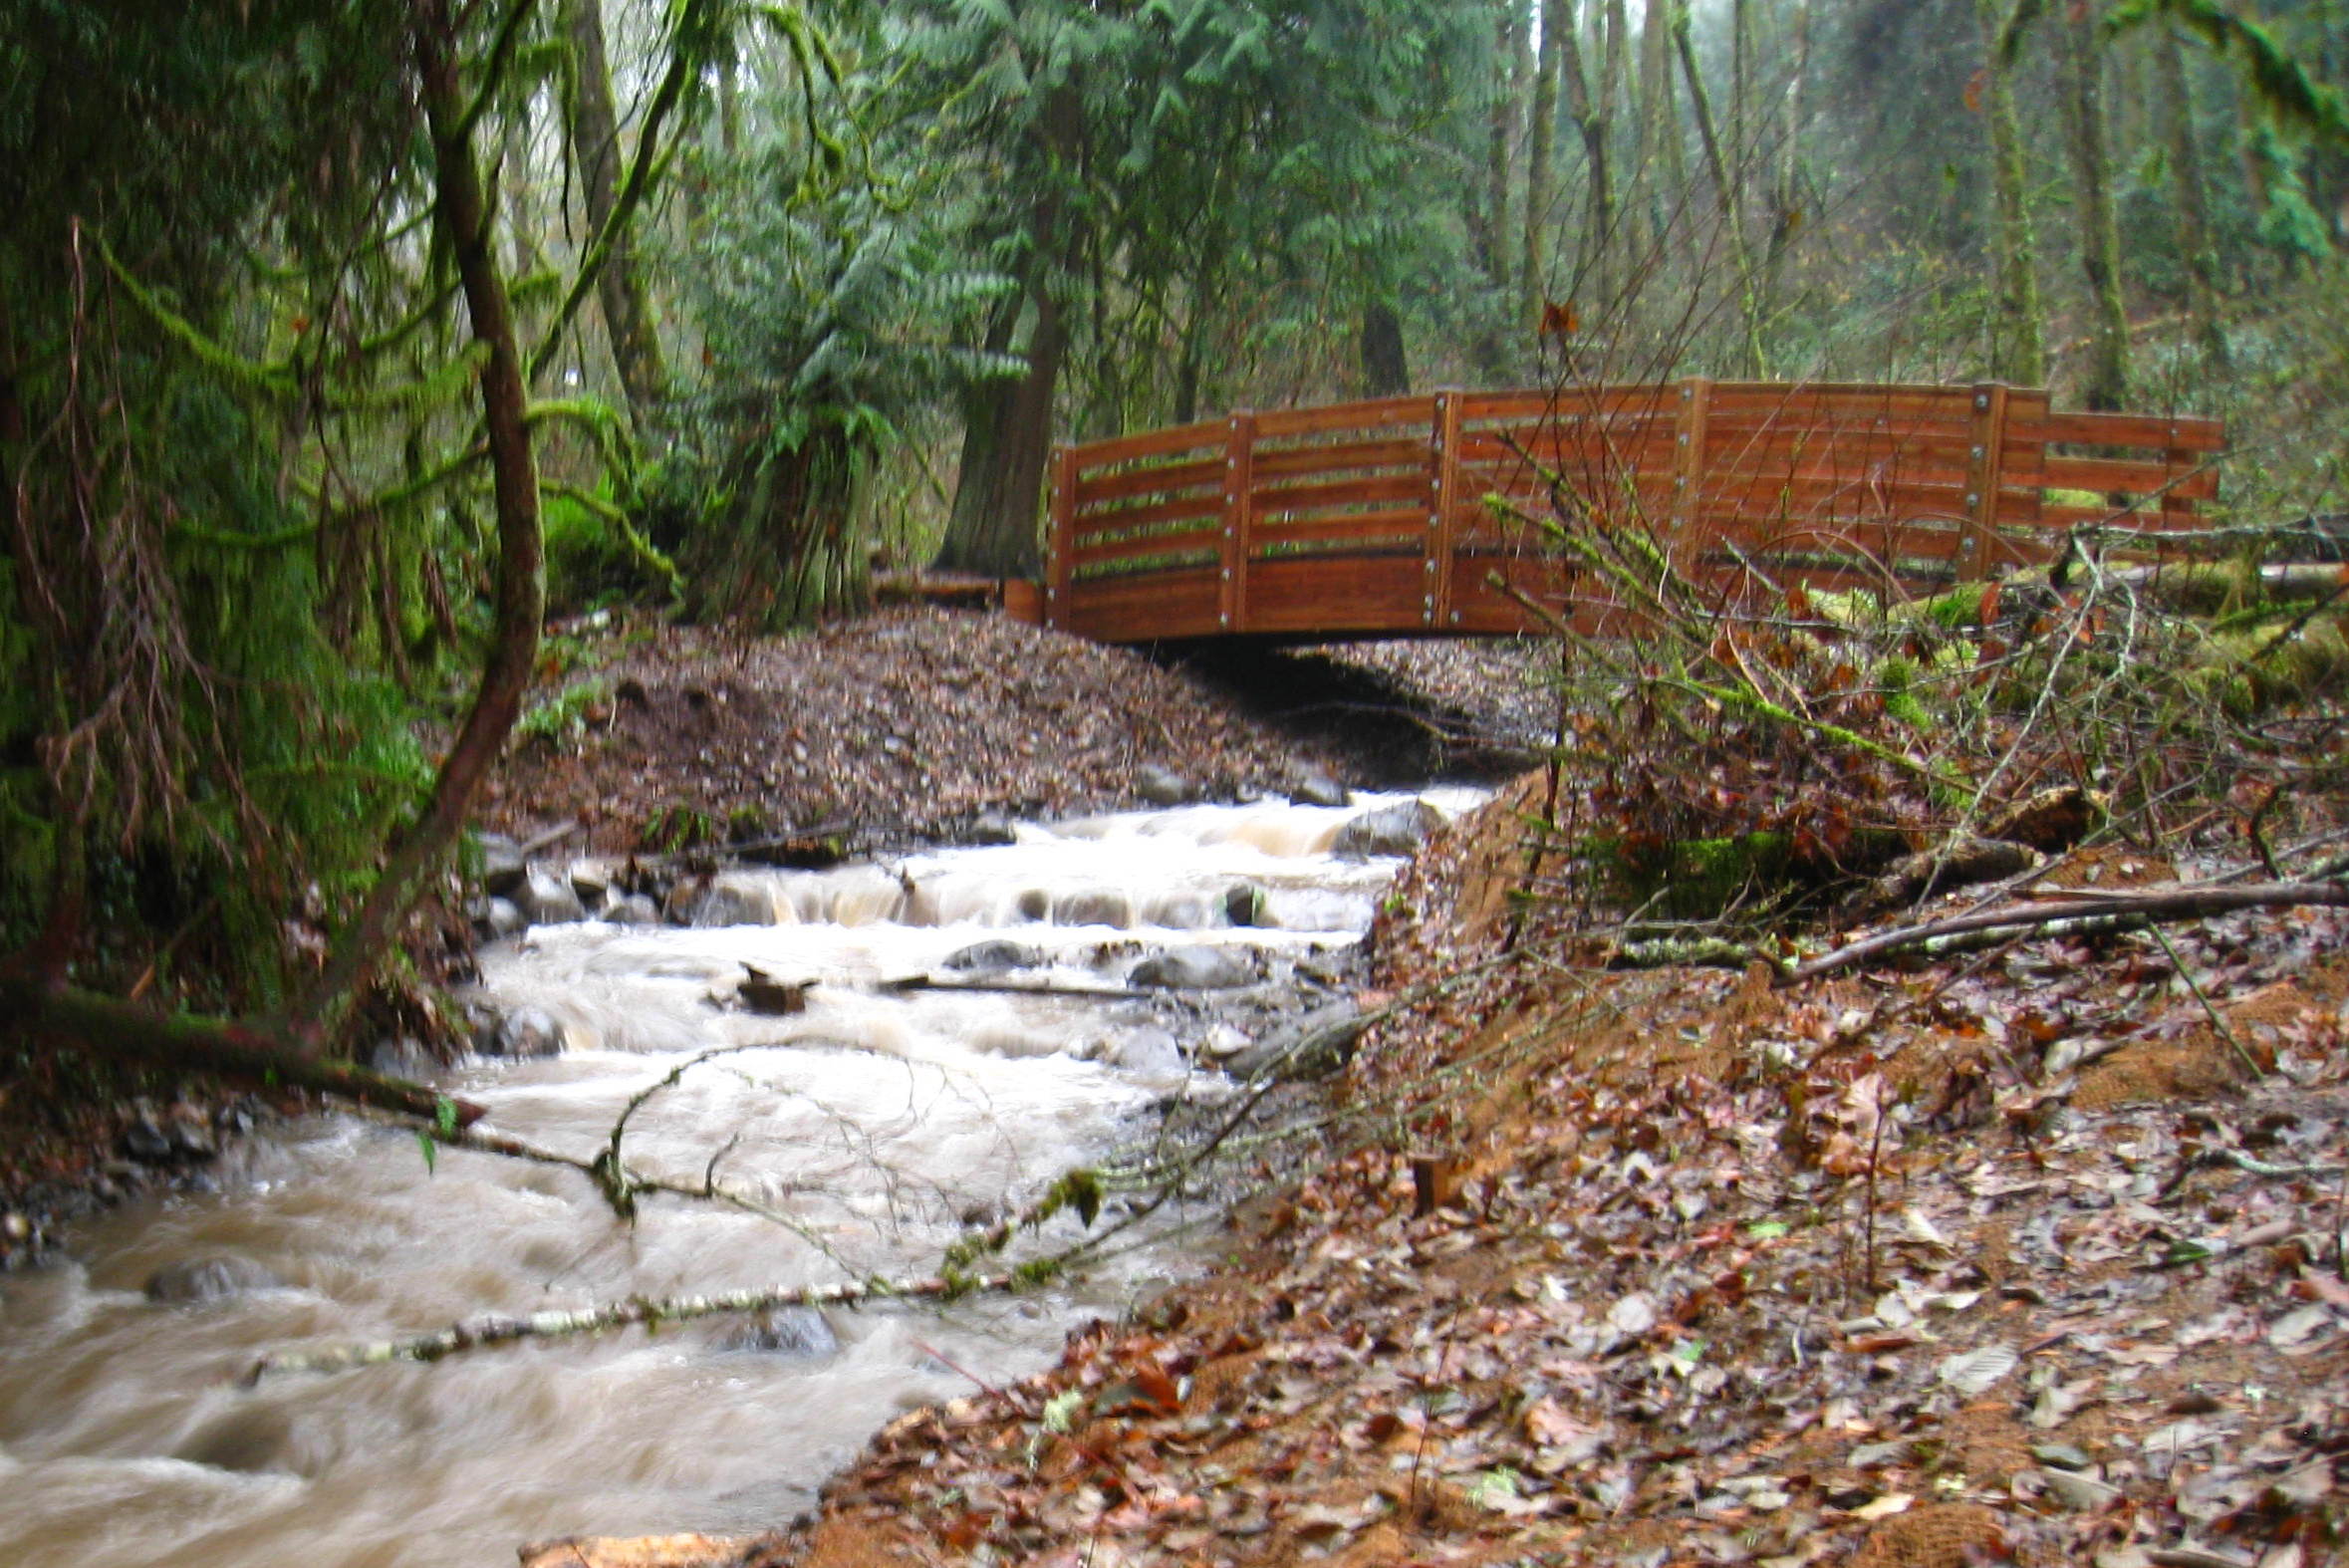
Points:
(497, 1329)
(2157, 905)
(247, 1052)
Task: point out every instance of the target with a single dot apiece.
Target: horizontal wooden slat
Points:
(1209, 507)
(1111, 551)
(1373, 528)
(1377, 413)
(1338, 457)
(1344, 493)
(1148, 481)
(2149, 515)
(2137, 478)
(1150, 444)
(2130, 430)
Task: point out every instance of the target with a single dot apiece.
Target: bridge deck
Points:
(1439, 515)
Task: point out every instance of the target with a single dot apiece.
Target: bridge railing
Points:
(1426, 514)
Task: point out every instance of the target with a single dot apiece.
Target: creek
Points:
(880, 1118)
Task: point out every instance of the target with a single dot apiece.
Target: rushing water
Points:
(877, 1119)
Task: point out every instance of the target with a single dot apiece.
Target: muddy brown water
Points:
(875, 1120)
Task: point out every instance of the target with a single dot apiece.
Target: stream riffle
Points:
(879, 1118)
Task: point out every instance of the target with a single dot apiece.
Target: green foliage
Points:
(826, 326)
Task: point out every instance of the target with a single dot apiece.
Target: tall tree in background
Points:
(594, 127)
(2017, 327)
(2081, 47)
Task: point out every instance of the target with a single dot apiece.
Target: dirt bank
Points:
(915, 722)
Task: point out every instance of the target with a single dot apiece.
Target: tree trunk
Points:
(2107, 386)
(468, 231)
(1496, 231)
(1385, 372)
(1724, 183)
(1532, 273)
(2017, 328)
(1007, 432)
(1590, 119)
(595, 144)
(2174, 94)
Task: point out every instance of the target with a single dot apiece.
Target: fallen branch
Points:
(1091, 994)
(232, 1050)
(2063, 908)
(475, 1333)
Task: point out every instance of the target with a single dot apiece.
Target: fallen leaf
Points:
(1975, 1371)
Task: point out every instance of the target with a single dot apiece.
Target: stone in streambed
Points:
(1193, 969)
(527, 1032)
(1314, 1046)
(801, 1333)
(497, 918)
(1162, 786)
(548, 899)
(1244, 904)
(1319, 789)
(1094, 907)
(633, 910)
(1389, 830)
(734, 900)
(993, 958)
(503, 867)
(201, 1279)
(992, 827)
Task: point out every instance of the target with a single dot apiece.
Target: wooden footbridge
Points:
(1439, 515)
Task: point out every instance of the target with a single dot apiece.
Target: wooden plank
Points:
(1107, 551)
(1339, 458)
(1148, 608)
(1342, 492)
(1206, 509)
(1737, 401)
(2182, 433)
(1204, 435)
(2146, 514)
(1373, 529)
(1766, 498)
(2186, 482)
(1554, 448)
(1374, 413)
(1341, 596)
(1148, 481)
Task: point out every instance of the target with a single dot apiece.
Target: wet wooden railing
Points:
(1426, 515)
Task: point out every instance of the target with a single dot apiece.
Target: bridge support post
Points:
(1687, 454)
(1443, 476)
(1986, 464)
(1239, 478)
